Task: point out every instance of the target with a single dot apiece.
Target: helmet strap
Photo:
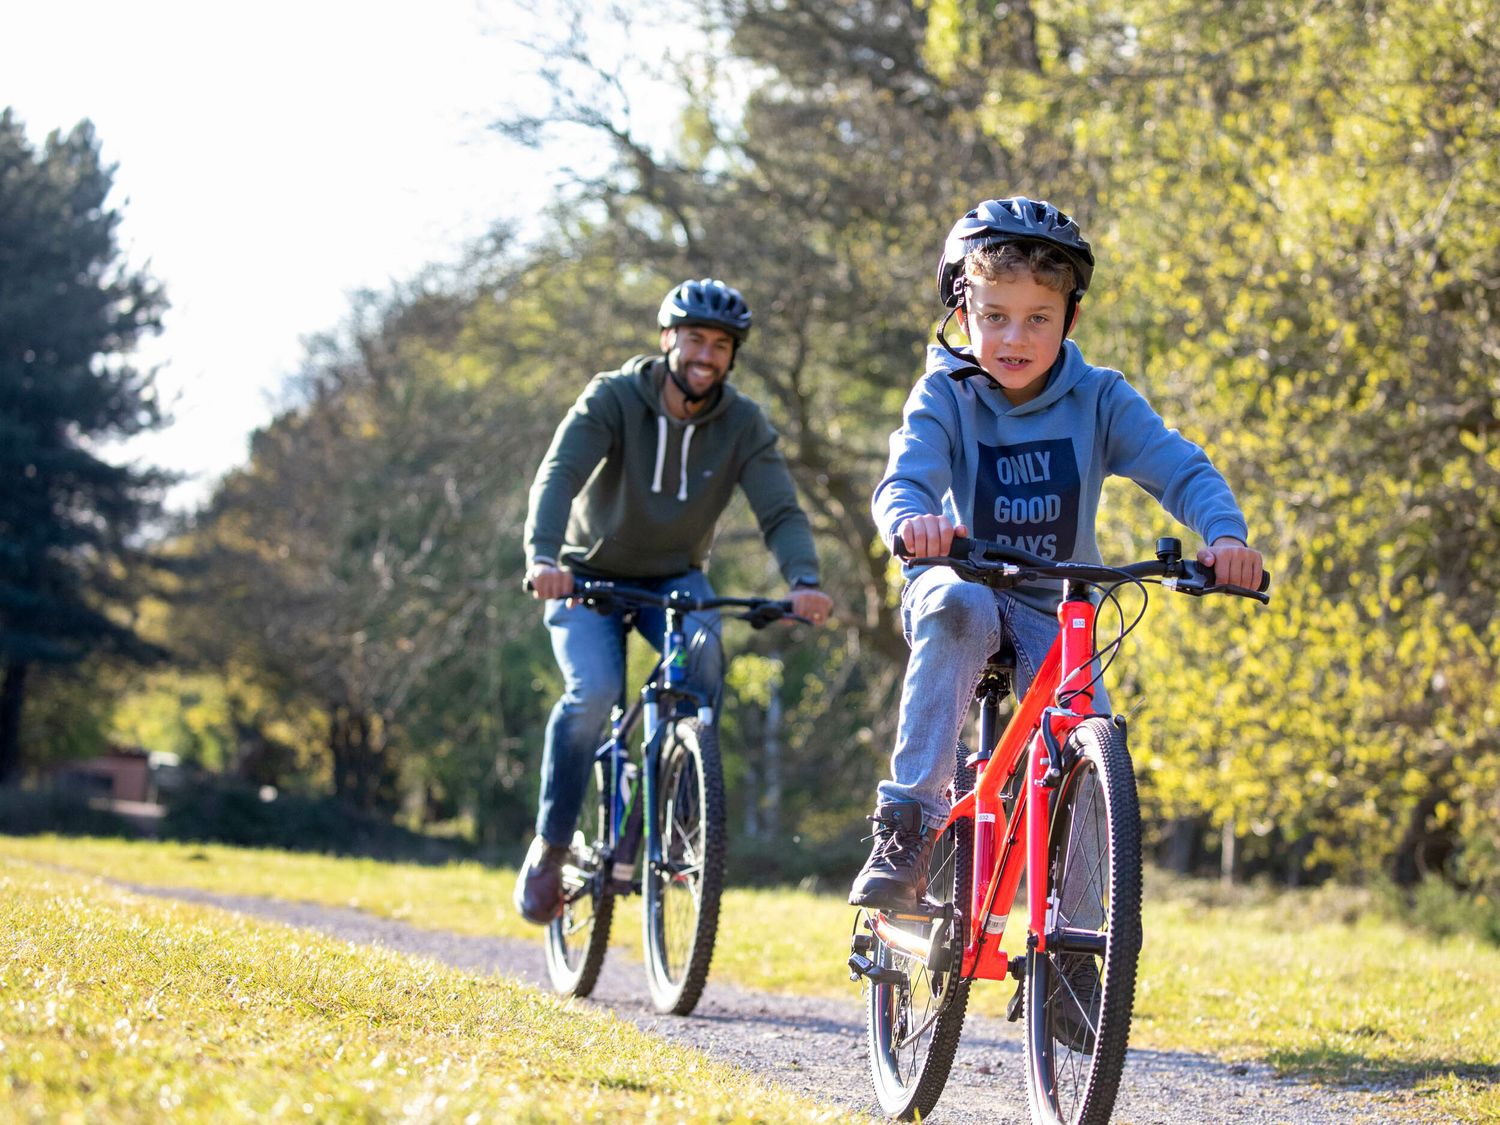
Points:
(970, 368)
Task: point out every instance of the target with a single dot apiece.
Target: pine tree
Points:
(71, 311)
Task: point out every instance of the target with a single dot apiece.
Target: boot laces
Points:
(896, 845)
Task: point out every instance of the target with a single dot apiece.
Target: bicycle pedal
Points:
(1013, 1009)
(924, 911)
(861, 966)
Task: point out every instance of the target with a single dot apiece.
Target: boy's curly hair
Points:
(1047, 265)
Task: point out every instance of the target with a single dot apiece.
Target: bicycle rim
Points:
(914, 1027)
(683, 889)
(579, 937)
(1080, 991)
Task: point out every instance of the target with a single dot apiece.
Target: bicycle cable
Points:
(1114, 646)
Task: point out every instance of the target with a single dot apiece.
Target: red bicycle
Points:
(1053, 798)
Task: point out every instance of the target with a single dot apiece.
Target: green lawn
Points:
(1312, 982)
(116, 1007)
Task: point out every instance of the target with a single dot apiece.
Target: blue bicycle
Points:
(670, 798)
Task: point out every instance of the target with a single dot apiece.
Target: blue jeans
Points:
(952, 627)
(590, 651)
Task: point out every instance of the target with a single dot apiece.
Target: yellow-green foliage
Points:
(1293, 213)
(120, 1008)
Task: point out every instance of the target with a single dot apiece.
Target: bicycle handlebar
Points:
(999, 564)
(604, 596)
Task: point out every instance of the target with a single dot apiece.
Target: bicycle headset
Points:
(993, 223)
(712, 304)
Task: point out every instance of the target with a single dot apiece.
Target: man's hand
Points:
(810, 603)
(1234, 563)
(548, 581)
(929, 536)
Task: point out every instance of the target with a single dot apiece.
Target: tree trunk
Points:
(1226, 856)
(770, 800)
(1182, 845)
(12, 696)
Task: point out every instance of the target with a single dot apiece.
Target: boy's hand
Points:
(929, 536)
(1234, 563)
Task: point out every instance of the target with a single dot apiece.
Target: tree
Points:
(71, 310)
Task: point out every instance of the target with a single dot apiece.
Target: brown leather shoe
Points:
(539, 894)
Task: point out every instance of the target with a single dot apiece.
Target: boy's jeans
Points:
(952, 627)
(590, 650)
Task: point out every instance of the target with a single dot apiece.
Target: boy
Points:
(1012, 438)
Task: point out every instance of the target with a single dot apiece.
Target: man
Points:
(631, 489)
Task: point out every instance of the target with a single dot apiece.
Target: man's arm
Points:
(582, 439)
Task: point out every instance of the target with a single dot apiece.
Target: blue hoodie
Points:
(1030, 475)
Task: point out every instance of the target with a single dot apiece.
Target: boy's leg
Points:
(952, 626)
(589, 651)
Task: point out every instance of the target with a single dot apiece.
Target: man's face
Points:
(701, 356)
(1016, 329)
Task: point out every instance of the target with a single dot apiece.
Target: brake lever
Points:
(769, 614)
(1239, 592)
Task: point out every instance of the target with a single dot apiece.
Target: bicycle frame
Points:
(1059, 698)
(628, 779)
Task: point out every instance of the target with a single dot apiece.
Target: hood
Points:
(1063, 377)
(646, 374)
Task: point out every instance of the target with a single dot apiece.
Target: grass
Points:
(115, 1007)
(1316, 983)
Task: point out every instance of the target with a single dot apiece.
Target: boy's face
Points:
(1016, 329)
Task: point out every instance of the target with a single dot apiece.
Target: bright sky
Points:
(272, 159)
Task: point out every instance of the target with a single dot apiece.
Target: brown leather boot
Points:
(539, 894)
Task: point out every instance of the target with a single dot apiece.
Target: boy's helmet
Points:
(707, 302)
(1011, 220)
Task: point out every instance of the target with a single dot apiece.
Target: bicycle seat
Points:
(1003, 659)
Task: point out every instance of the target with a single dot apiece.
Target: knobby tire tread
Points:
(582, 984)
(948, 1029)
(1103, 743)
(682, 999)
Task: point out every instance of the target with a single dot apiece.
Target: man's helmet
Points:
(1011, 220)
(707, 302)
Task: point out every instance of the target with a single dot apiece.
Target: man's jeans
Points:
(590, 650)
(952, 627)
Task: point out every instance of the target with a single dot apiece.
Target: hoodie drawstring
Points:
(687, 440)
(661, 456)
(661, 450)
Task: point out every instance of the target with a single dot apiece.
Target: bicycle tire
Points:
(1080, 991)
(681, 915)
(910, 1072)
(578, 938)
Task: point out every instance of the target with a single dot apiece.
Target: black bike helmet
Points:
(707, 302)
(996, 221)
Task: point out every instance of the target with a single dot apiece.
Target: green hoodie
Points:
(627, 491)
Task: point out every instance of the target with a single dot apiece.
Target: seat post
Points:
(993, 686)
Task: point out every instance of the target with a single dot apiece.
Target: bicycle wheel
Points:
(579, 937)
(683, 889)
(1080, 990)
(914, 1026)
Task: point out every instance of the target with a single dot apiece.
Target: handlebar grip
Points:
(1211, 579)
(960, 548)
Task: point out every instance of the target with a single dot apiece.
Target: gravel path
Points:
(817, 1046)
